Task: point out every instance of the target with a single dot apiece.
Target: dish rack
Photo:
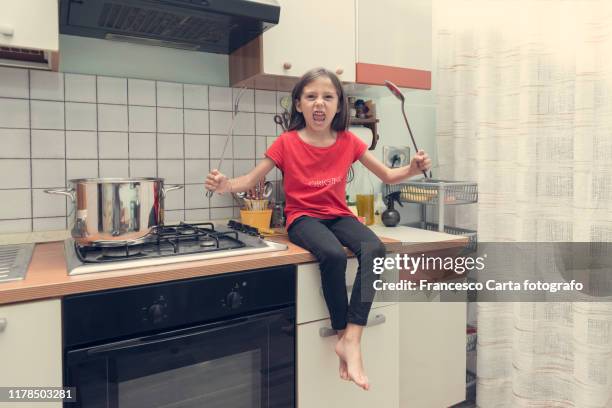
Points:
(438, 193)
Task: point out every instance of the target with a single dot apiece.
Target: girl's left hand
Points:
(420, 162)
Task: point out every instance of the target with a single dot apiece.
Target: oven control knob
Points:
(233, 300)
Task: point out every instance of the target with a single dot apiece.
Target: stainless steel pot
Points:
(115, 210)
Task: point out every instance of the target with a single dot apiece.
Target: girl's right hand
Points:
(217, 181)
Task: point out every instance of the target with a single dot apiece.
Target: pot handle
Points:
(170, 188)
(62, 191)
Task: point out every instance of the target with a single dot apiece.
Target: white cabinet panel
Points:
(31, 347)
(310, 301)
(30, 24)
(318, 382)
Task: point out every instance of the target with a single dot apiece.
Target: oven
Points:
(225, 341)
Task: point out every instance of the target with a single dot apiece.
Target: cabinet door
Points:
(318, 382)
(31, 347)
(30, 24)
(396, 33)
(312, 34)
(310, 301)
(432, 338)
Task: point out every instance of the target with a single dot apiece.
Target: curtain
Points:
(524, 108)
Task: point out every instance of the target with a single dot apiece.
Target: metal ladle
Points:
(398, 94)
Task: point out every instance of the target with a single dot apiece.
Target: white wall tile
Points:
(7, 226)
(260, 147)
(112, 90)
(15, 204)
(14, 113)
(50, 224)
(142, 119)
(141, 92)
(221, 200)
(48, 144)
(14, 82)
(47, 114)
(242, 167)
(227, 167)
(46, 85)
(169, 95)
(221, 213)
(113, 145)
(196, 96)
(81, 145)
(216, 147)
(247, 100)
(196, 146)
(77, 169)
(16, 143)
(175, 200)
(244, 147)
(220, 98)
(80, 88)
(143, 146)
(245, 124)
(112, 118)
(169, 120)
(197, 215)
(196, 121)
(143, 168)
(14, 173)
(195, 196)
(171, 170)
(81, 116)
(173, 217)
(220, 122)
(48, 173)
(196, 171)
(265, 125)
(114, 168)
(265, 101)
(170, 145)
(48, 205)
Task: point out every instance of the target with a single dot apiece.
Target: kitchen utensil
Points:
(398, 94)
(282, 120)
(285, 103)
(115, 210)
(229, 134)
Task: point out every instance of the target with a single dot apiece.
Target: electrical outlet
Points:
(396, 156)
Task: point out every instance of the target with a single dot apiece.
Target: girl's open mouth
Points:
(318, 116)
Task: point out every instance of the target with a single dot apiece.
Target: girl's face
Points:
(318, 103)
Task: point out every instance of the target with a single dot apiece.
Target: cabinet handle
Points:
(375, 321)
(339, 71)
(349, 288)
(287, 65)
(3, 323)
(7, 30)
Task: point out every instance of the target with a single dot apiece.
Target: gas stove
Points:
(168, 244)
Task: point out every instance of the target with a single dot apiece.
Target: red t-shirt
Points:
(315, 177)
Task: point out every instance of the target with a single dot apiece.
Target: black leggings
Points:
(325, 240)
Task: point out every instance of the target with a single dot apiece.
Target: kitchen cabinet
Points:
(31, 347)
(318, 382)
(309, 34)
(30, 29)
(394, 42)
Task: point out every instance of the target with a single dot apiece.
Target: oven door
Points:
(245, 362)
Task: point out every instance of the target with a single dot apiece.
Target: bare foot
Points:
(342, 369)
(349, 350)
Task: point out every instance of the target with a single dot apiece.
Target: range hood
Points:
(217, 26)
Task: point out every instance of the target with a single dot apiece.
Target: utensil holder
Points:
(258, 219)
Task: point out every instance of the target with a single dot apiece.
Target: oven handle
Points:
(161, 338)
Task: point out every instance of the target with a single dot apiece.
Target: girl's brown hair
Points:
(341, 119)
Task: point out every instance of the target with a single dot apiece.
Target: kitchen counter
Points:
(47, 276)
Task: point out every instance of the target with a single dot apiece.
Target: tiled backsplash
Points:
(59, 126)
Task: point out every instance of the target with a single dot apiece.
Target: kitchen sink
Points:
(14, 261)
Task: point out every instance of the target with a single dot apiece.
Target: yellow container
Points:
(365, 207)
(259, 219)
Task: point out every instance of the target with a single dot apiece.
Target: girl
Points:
(315, 155)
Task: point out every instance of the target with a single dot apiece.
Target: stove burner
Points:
(208, 243)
